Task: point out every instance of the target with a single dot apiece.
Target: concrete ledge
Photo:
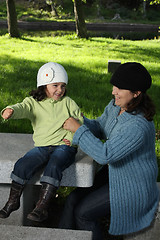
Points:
(15, 145)
(28, 233)
(151, 233)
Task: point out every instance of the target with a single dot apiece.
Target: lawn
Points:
(86, 63)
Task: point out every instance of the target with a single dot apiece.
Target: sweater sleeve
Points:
(21, 110)
(94, 127)
(74, 110)
(118, 147)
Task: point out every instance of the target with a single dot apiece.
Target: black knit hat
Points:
(131, 76)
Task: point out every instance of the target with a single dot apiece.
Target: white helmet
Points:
(51, 73)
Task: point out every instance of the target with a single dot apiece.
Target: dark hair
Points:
(143, 103)
(40, 93)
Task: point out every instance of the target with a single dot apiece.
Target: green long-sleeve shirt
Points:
(47, 118)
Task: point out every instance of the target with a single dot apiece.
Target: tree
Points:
(12, 19)
(53, 7)
(81, 29)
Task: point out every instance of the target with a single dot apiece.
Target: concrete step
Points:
(9, 232)
(151, 233)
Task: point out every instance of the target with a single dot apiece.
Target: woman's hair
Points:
(40, 93)
(144, 104)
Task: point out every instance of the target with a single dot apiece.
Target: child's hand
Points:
(71, 124)
(67, 142)
(7, 113)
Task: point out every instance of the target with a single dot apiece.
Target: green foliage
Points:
(99, 11)
(3, 10)
(155, 2)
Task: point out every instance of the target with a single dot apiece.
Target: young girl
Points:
(47, 109)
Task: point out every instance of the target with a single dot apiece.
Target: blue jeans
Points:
(84, 207)
(55, 159)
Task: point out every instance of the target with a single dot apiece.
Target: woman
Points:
(130, 198)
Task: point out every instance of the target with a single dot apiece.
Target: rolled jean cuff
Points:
(17, 179)
(50, 180)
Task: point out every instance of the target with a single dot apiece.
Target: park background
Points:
(84, 58)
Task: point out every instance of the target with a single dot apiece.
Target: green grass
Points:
(86, 63)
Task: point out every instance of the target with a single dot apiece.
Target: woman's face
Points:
(123, 96)
(55, 90)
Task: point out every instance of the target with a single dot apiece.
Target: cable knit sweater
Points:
(129, 150)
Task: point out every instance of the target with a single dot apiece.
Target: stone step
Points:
(151, 233)
(9, 232)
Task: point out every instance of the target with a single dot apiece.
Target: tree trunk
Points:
(12, 19)
(144, 8)
(54, 10)
(81, 29)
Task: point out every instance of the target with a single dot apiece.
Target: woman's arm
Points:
(125, 141)
(95, 127)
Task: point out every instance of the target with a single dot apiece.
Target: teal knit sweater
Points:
(129, 150)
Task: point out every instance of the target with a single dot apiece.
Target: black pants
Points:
(85, 206)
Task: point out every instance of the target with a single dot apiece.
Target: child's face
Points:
(55, 90)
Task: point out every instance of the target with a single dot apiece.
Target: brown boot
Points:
(13, 202)
(40, 212)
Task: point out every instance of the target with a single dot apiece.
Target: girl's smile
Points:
(55, 90)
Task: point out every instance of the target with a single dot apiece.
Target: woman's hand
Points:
(71, 124)
(7, 113)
